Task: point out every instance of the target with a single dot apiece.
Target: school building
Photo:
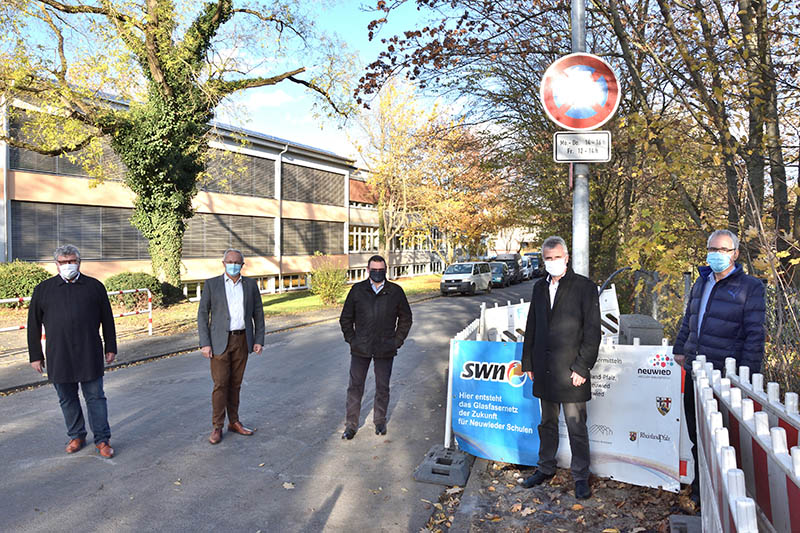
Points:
(278, 201)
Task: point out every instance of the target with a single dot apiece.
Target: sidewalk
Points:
(16, 372)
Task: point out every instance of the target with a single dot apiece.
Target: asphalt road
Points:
(294, 474)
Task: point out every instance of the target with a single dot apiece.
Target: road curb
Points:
(470, 499)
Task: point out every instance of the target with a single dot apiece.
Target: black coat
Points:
(72, 314)
(562, 340)
(375, 325)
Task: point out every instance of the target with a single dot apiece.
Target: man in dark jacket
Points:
(72, 307)
(562, 338)
(724, 318)
(375, 321)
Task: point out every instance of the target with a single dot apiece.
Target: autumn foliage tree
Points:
(147, 77)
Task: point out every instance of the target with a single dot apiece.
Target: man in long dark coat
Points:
(562, 338)
(72, 306)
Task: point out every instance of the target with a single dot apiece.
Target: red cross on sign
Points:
(579, 92)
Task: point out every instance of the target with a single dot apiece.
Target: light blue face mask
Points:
(233, 269)
(718, 261)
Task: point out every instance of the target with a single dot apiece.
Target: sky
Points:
(285, 110)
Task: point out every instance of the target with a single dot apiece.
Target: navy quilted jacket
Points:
(733, 324)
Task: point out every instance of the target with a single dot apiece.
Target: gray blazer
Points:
(213, 317)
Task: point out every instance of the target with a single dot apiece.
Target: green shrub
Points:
(19, 278)
(328, 278)
(135, 280)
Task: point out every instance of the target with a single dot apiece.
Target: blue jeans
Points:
(96, 408)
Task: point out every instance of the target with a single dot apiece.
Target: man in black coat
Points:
(375, 320)
(72, 307)
(562, 338)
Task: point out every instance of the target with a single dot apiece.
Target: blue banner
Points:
(495, 415)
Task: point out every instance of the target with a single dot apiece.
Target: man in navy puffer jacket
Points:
(724, 318)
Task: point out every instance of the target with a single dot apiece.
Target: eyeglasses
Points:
(68, 262)
(231, 263)
(377, 270)
(723, 250)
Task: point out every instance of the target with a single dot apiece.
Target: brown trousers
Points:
(227, 371)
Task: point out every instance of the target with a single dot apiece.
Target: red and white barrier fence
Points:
(763, 493)
(149, 309)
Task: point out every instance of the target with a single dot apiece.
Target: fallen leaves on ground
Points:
(504, 505)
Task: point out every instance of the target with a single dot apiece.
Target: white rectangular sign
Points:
(582, 146)
(634, 418)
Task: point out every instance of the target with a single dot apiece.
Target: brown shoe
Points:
(216, 436)
(105, 450)
(237, 427)
(75, 445)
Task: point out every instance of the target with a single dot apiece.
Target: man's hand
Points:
(257, 349)
(110, 357)
(530, 374)
(38, 366)
(680, 358)
(577, 379)
(206, 351)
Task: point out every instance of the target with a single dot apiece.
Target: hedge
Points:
(19, 278)
(163, 293)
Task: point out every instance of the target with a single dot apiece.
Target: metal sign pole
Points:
(580, 195)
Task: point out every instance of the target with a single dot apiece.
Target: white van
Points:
(466, 278)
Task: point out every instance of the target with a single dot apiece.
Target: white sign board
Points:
(634, 417)
(582, 147)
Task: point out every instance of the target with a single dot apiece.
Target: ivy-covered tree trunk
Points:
(162, 149)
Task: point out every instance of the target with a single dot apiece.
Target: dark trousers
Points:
(575, 415)
(96, 409)
(691, 425)
(355, 390)
(227, 371)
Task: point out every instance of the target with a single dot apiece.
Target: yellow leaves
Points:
(577, 507)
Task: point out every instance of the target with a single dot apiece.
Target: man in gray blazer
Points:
(230, 322)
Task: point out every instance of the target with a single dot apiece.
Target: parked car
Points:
(527, 268)
(514, 262)
(466, 278)
(537, 264)
(500, 274)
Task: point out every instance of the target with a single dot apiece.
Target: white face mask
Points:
(556, 267)
(68, 271)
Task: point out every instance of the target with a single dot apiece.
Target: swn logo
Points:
(510, 373)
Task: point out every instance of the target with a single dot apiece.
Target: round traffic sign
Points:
(579, 92)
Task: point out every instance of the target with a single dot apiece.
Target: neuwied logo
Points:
(510, 373)
(663, 404)
(658, 365)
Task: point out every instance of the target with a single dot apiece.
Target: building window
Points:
(304, 184)
(21, 159)
(210, 234)
(37, 229)
(362, 205)
(234, 173)
(304, 237)
(363, 239)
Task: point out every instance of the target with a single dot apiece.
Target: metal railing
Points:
(149, 309)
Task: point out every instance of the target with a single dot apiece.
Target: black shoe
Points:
(380, 429)
(582, 490)
(349, 434)
(537, 478)
(695, 497)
